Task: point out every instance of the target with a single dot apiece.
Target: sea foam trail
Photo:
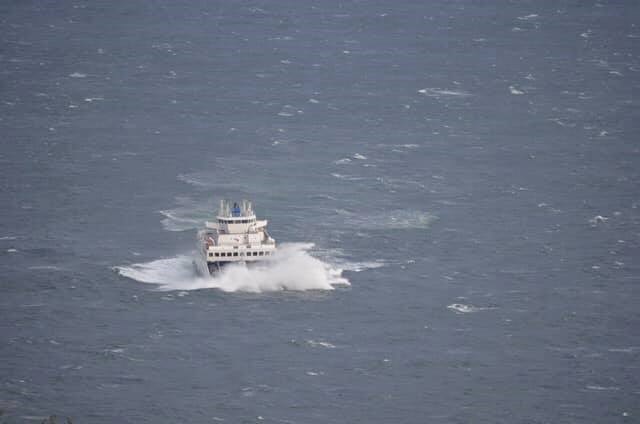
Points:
(291, 268)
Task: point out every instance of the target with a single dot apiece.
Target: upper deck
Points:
(236, 218)
(240, 210)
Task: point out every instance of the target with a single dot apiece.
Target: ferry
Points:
(236, 237)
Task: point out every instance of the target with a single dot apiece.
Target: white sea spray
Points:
(292, 268)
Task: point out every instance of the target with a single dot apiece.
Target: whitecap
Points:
(563, 123)
(392, 219)
(630, 349)
(191, 180)
(602, 388)
(515, 91)
(528, 17)
(322, 197)
(398, 148)
(342, 161)
(465, 309)
(598, 219)
(288, 110)
(283, 38)
(394, 184)
(438, 92)
(359, 156)
(45, 268)
(346, 177)
(78, 75)
(176, 220)
(314, 343)
(363, 266)
(336, 257)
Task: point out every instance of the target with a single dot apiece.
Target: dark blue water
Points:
(467, 174)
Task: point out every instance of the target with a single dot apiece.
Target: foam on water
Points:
(205, 180)
(192, 180)
(599, 219)
(602, 388)
(173, 221)
(528, 17)
(392, 219)
(342, 161)
(336, 258)
(190, 214)
(465, 309)
(438, 92)
(314, 343)
(346, 177)
(45, 268)
(292, 268)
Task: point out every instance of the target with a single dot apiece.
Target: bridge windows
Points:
(240, 253)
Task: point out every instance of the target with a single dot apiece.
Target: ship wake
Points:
(291, 268)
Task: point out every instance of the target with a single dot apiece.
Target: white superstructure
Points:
(236, 237)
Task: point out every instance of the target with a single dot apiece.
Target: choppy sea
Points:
(454, 186)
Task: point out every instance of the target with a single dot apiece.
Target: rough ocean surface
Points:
(455, 184)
